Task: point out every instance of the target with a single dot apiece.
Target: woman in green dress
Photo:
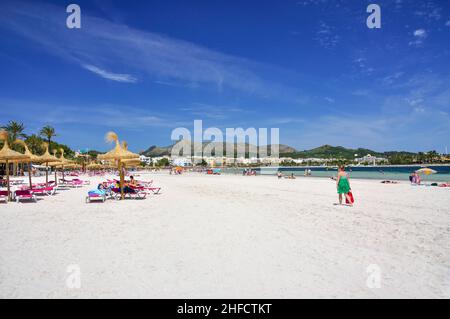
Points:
(343, 184)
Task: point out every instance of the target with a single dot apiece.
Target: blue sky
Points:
(312, 68)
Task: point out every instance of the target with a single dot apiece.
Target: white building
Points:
(369, 159)
(182, 161)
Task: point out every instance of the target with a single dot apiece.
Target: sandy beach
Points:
(230, 236)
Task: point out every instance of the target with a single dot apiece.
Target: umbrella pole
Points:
(46, 174)
(7, 180)
(122, 180)
(29, 175)
(56, 176)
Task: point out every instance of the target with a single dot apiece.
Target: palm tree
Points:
(48, 132)
(34, 143)
(15, 131)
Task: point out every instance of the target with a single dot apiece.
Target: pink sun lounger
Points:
(51, 190)
(4, 196)
(95, 197)
(24, 195)
(136, 194)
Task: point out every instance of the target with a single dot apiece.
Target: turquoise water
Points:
(379, 173)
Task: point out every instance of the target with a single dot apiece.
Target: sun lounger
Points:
(74, 183)
(4, 196)
(49, 191)
(16, 182)
(154, 190)
(134, 194)
(93, 196)
(145, 183)
(24, 195)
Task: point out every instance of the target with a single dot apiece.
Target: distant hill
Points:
(324, 151)
(155, 151)
(328, 151)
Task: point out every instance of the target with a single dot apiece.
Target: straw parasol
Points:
(65, 163)
(32, 158)
(8, 155)
(48, 159)
(94, 166)
(118, 153)
(133, 162)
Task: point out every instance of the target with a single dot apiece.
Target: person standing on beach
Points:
(343, 184)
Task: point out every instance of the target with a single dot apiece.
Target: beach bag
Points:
(350, 196)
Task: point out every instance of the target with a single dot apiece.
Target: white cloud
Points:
(108, 45)
(420, 33)
(110, 76)
(447, 23)
(390, 79)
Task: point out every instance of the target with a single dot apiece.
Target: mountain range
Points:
(325, 151)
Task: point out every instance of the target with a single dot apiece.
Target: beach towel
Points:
(97, 192)
(350, 196)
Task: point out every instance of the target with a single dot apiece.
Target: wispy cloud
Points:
(419, 36)
(110, 76)
(326, 36)
(104, 115)
(102, 45)
(390, 79)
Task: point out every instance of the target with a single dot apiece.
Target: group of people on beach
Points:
(128, 186)
(249, 172)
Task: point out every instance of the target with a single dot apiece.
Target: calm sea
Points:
(360, 172)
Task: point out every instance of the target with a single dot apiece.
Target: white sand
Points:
(231, 237)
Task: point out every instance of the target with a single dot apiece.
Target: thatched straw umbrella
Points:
(47, 159)
(94, 166)
(56, 165)
(118, 153)
(32, 158)
(65, 163)
(8, 155)
(134, 162)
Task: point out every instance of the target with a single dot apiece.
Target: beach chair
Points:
(115, 193)
(4, 196)
(95, 197)
(154, 190)
(24, 195)
(81, 181)
(75, 183)
(137, 194)
(16, 182)
(145, 183)
(134, 194)
(49, 191)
